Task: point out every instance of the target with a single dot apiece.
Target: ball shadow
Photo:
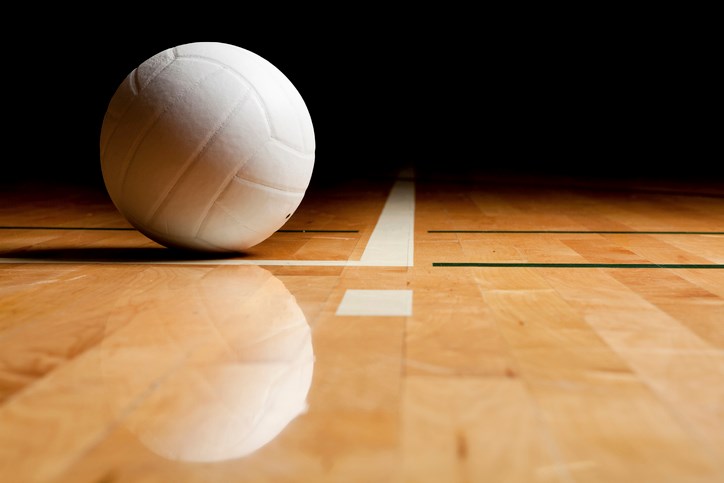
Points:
(115, 255)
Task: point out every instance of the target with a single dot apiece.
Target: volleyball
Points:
(207, 146)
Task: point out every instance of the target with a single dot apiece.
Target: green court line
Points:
(96, 228)
(580, 265)
(583, 232)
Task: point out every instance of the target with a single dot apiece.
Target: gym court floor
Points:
(405, 328)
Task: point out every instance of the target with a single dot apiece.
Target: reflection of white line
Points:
(390, 245)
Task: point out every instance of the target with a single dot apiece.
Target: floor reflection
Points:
(210, 370)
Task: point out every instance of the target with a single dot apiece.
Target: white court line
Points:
(376, 303)
(390, 245)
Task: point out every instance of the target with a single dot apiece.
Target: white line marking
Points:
(221, 261)
(376, 303)
(391, 243)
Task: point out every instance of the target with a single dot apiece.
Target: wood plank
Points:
(652, 343)
(475, 429)
(572, 369)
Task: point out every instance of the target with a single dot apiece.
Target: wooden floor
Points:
(559, 330)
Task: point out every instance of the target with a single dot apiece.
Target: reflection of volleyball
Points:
(211, 369)
(207, 146)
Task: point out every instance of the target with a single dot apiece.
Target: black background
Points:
(582, 94)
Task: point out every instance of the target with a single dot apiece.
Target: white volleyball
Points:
(207, 146)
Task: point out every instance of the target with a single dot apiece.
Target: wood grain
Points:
(119, 364)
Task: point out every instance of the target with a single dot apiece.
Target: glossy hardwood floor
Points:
(559, 330)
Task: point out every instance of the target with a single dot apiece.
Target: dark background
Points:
(580, 94)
